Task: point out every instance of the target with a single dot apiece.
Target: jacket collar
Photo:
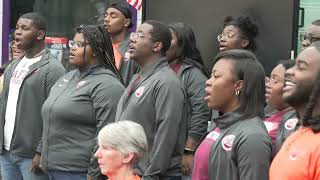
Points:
(158, 64)
(124, 45)
(227, 119)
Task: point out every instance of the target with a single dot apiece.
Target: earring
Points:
(237, 93)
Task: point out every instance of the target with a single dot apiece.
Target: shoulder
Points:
(252, 127)
(106, 80)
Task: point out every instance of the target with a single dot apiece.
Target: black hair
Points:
(247, 29)
(187, 49)
(248, 69)
(160, 33)
(316, 22)
(287, 64)
(124, 8)
(38, 20)
(100, 42)
(310, 120)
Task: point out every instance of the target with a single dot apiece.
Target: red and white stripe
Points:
(135, 3)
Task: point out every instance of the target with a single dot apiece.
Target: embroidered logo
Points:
(271, 126)
(64, 80)
(81, 83)
(297, 153)
(227, 142)
(291, 123)
(139, 91)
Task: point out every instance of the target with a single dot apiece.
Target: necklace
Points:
(288, 146)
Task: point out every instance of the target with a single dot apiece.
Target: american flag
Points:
(135, 3)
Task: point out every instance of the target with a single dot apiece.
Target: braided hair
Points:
(100, 42)
(308, 119)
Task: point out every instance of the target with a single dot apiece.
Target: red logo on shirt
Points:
(139, 91)
(291, 123)
(227, 142)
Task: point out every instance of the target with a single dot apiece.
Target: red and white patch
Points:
(291, 123)
(139, 92)
(81, 83)
(227, 142)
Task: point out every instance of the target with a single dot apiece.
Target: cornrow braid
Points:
(100, 42)
(308, 119)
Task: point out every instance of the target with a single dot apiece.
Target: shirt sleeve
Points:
(170, 128)
(254, 156)
(105, 98)
(53, 74)
(200, 113)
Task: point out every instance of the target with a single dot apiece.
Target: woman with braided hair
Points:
(79, 105)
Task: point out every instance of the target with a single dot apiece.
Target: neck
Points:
(301, 110)
(286, 109)
(149, 61)
(124, 173)
(118, 38)
(35, 50)
(234, 105)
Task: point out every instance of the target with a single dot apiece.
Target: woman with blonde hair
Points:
(121, 145)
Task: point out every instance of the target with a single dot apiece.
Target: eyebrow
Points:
(302, 62)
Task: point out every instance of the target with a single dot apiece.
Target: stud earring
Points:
(237, 93)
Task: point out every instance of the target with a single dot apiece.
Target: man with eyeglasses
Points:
(155, 98)
(118, 20)
(311, 35)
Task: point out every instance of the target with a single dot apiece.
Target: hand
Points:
(89, 177)
(35, 166)
(186, 164)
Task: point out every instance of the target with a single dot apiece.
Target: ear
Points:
(127, 22)
(238, 86)
(128, 158)
(244, 43)
(157, 46)
(41, 35)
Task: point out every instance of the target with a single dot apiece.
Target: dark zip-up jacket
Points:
(194, 82)
(79, 105)
(158, 103)
(287, 126)
(34, 91)
(243, 150)
(128, 67)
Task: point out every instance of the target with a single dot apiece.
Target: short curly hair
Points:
(247, 28)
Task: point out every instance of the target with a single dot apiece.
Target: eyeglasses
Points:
(311, 38)
(226, 37)
(77, 44)
(138, 36)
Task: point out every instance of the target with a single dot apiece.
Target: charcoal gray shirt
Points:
(158, 103)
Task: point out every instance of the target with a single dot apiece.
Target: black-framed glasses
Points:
(138, 36)
(76, 44)
(309, 37)
(227, 37)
